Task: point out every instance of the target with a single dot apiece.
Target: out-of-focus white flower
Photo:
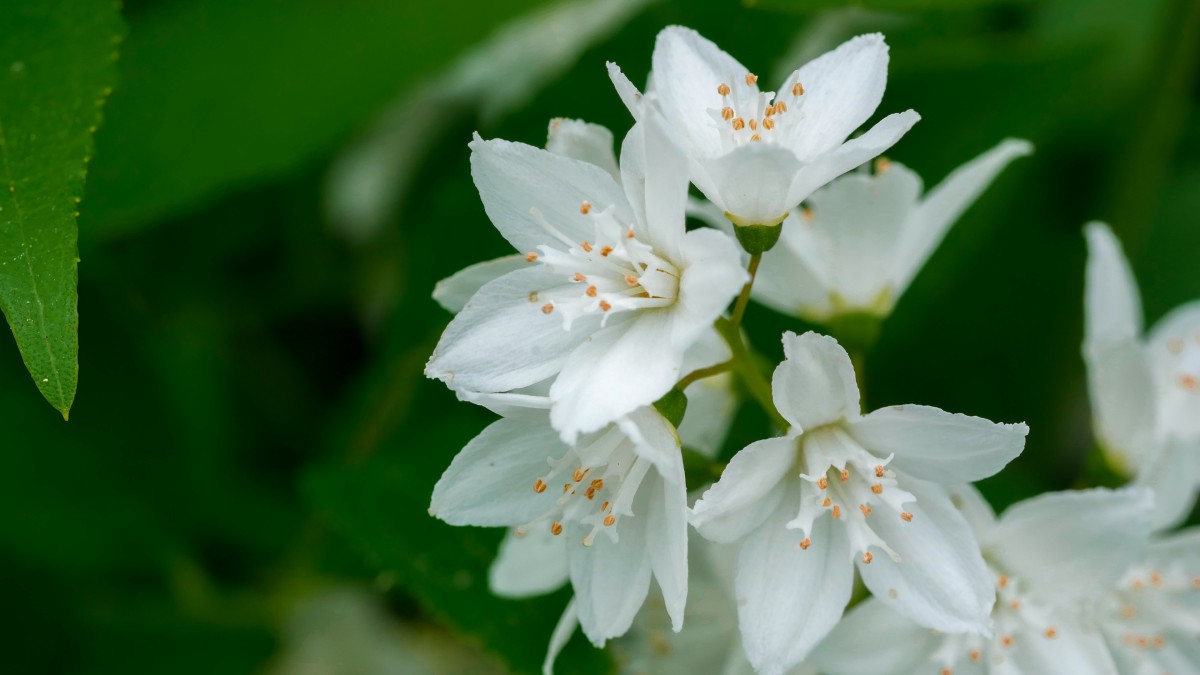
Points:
(617, 496)
(615, 291)
(1052, 557)
(842, 489)
(757, 154)
(1145, 391)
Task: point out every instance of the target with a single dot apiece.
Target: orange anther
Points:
(604, 306)
(585, 207)
(591, 291)
(738, 124)
(867, 557)
(906, 516)
(726, 113)
(539, 486)
(805, 544)
(751, 78)
(866, 510)
(877, 488)
(531, 256)
(609, 520)
(547, 308)
(797, 89)
(605, 250)
(556, 529)
(586, 247)
(723, 89)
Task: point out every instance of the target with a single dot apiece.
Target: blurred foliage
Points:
(252, 411)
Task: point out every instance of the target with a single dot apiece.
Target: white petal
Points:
(514, 178)
(655, 175)
(872, 639)
(793, 277)
(618, 370)
(1070, 543)
(928, 224)
(711, 406)
(527, 565)
(453, 292)
(789, 598)
(711, 278)
(611, 579)
(562, 634)
(752, 182)
(667, 539)
(1174, 348)
(630, 96)
(842, 89)
(1122, 392)
(490, 482)
(850, 154)
(749, 490)
(815, 383)
(1180, 547)
(587, 142)
(1113, 306)
(687, 71)
(517, 403)
(971, 504)
(654, 439)
(941, 580)
(859, 218)
(1075, 649)
(501, 340)
(932, 444)
(1173, 473)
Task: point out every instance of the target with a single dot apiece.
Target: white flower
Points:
(615, 289)
(1051, 556)
(617, 497)
(863, 238)
(842, 489)
(756, 154)
(1145, 391)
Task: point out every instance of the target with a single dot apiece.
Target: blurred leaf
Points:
(232, 92)
(56, 67)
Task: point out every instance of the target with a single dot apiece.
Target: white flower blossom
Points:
(757, 154)
(1053, 557)
(1145, 390)
(615, 289)
(842, 489)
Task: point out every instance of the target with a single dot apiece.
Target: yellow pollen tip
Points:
(609, 520)
(1189, 382)
(808, 216)
(866, 510)
(827, 502)
(768, 124)
(531, 257)
(598, 483)
(604, 306)
(591, 291)
(738, 124)
(751, 78)
(770, 110)
(797, 89)
(845, 475)
(753, 124)
(629, 234)
(579, 474)
(882, 165)
(877, 488)
(566, 488)
(756, 137)
(726, 113)
(539, 486)
(780, 107)
(604, 506)
(605, 250)
(837, 511)
(579, 277)
(805, 544)
(631, 280)
(867, 557)
(822, 482)
(1050, 633)
(906, 516)
(533, 297)
(590, 493)
(1015, 605)
(1007, 641)
(586, 246)
(975, 655)
(879, 471)
(1003, 581)
(723, 89)
(547, 308)
(585, 207)
(556, 529)
(946, 671)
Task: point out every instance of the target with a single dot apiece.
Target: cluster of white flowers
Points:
(615, 331)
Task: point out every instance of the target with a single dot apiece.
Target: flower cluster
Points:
(609, 341)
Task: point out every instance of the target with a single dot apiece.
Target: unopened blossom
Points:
(842, 489)
(616, 498)
(614, 290)
(1145, 389)
(756, 154)
(1053, 560)
(860, 241)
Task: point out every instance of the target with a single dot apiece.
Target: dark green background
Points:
(252, 419)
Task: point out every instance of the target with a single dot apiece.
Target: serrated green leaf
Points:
(56, 67)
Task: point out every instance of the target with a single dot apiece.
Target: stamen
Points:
(566, 488)
(751, 78)
(547, 308)
(726, 113)
(1003, 581)
(580, 473)
(591, 291)
(877, 488)
(590, 493)
(837, 511)
(805, 544)
(605, 250)
(533, 296)
(609, 520)
(975, 655)
(586, 247)
(723, 89)
(629, 234)
(867, 557)
(906, 516)
(879, 471)
(579, 277)
(797, 89)
(1006, 640)
(556, 528)
(539, 486)
(585, 207)
(827, 502)
(946, 671)
(1015, 605)
(604, 306)
(866, 510)
(753, 124)
(770, 110)
(822, 482)
(531, 257)
(604, 506)
(780, 107)
(808, 214)
(631, 280)
(598, 483)
(1156, 579)
(1189, 382)
(768, 124)
(756, 137)
(1051, 633)
(845, 475)
(882, 164)
(738, 124)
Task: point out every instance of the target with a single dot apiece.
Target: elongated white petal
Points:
(842, 89)
(618, 370)
(1173, 473)
(629, 94)
(941, 580)
(859, 221)
(501, 340)
(1124, 410)
(935, 445)
(712, 403)
(752, 182)
(712, 278)
(667, 539)
(794, 277)
(530, 564)
(872, 639)
(453, 292)
(514, 178)
(1174, 348)
(850, 154)
(1074, 649)
(928, 223)
(688, 69)
(1070, 543)
(587, 142)
(491, 481)
(789, 598)
(654, 439)
(519, 403)
(562, 634)
(971, 504)
(815, 383)
(611, 579)
(1112, 305)
(749, 490)
(655, 175)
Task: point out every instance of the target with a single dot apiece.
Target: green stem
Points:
(743, 363)
(743, 299)
(703, 373)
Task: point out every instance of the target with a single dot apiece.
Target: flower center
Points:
(612, 273)
(1148, 604)
(1016, 617)
(853, 486)
(599, 479)
(747, 115)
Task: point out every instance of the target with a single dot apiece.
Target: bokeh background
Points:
(277, 185)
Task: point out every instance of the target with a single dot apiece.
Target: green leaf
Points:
(229, 93)
(56, 66)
